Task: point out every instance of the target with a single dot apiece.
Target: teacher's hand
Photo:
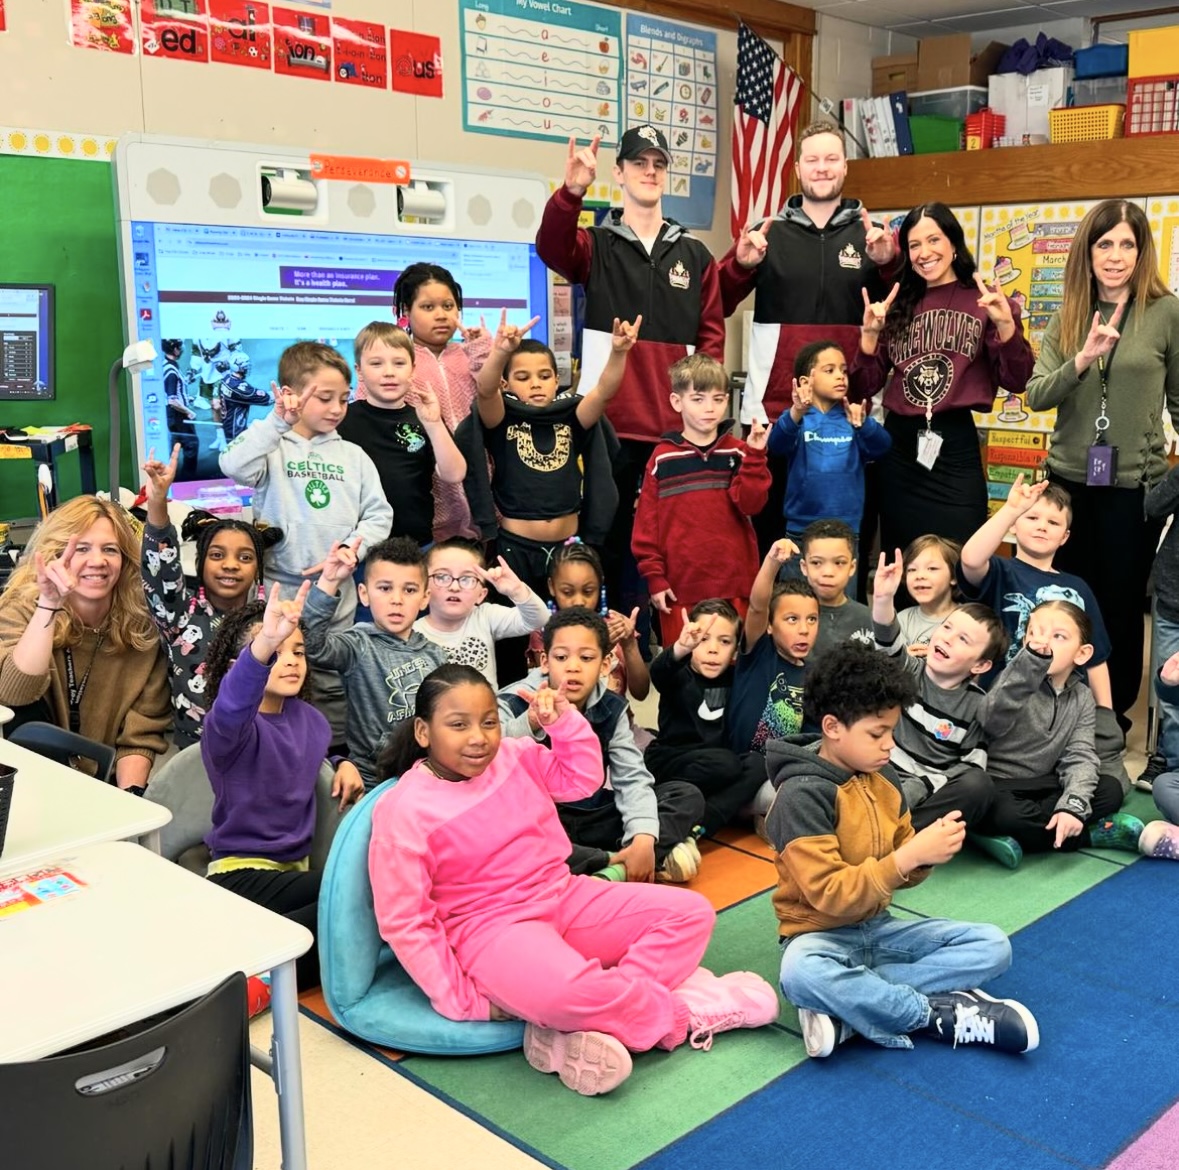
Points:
(1103, 336)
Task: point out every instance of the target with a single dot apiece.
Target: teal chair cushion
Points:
(365, 988)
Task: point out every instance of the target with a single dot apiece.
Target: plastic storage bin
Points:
(1086, 123)
(1102, 61)
(1152, 105)
(949, 103)
(983, 128)
(935, 135)
(1098, 91)
(1153, 51)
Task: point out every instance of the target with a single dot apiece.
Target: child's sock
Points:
(1007, 851)
(1160, 839)
(1119, 831)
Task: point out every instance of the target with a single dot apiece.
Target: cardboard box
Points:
(1154, 52)
(1026, 99)
(947, 62)
(890, 74)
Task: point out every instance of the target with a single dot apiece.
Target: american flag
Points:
(764, 124)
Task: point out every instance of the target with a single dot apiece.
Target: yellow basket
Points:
(1086, 123)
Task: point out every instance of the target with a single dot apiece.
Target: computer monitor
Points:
(26, 343)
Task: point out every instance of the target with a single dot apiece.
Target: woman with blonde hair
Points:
(1108, 363)
(77, 646)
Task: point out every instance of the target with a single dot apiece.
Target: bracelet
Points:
(52, 609)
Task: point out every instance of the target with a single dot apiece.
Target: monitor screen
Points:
(26, 342)
(220, 304)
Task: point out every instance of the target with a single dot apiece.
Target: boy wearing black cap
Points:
(635, 262)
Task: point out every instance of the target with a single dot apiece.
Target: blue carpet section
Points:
(1101, 977)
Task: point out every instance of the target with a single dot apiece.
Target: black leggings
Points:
(292, 893)
(727, 781)
(1023, 813)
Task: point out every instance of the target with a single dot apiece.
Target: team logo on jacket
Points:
(679, 276)
(850, 258)
(317, 493)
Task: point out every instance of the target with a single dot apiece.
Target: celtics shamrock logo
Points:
(317, 493)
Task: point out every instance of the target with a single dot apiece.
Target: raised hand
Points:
(800, 398)
(693, 633)
(502, 576)
(663, 599)
(782, 550)
(1023, 495)
(855, 413)
(758, 436)
(341, 561)
(878, 241)
(160, 476)
(281, 618)
(625, 334)
(288, 403)
(475, 332)
(621, 628)
(508, 337)
(1103, 336)
(888, 576)
(424, 402)
(581, 166)
(752, 244)
(876, 311)
(993, 301)
(56, 579)
(546, 706)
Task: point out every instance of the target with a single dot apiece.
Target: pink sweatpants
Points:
(605, 961)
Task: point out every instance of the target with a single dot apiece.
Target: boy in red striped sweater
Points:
(693, 538)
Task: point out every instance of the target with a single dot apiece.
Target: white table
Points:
(56, 809)
(143, 937)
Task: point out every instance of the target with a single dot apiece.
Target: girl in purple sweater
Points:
(262, 747)
(473, 894)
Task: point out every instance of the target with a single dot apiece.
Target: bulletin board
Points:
(1163, 213)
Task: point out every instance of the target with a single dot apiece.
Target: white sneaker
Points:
(682, 864)
(721, 1003)
(821, 1032)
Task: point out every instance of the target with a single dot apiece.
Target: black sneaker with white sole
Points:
(1156, 765)
(973, 1017)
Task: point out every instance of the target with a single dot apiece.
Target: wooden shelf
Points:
(1130, 167)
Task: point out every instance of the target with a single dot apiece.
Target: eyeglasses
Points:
(445, 580)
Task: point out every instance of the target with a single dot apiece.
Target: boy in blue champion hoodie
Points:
(827, 440)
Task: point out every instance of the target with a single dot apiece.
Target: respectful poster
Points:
(543, 69)
(671, 83)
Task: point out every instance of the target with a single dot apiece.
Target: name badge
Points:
(929, 447)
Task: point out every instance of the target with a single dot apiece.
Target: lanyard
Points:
(78, 689)
(1104, 364)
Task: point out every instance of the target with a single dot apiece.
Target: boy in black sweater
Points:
(694, 677)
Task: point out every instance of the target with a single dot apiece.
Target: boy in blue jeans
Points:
(840, 826)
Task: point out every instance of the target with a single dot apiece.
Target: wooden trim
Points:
(768, 17)
(1125, 167)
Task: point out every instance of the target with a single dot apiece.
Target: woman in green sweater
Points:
(1109, 363)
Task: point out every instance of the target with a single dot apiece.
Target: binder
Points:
(899, 103)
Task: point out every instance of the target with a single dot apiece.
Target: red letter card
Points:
(239, 33)
(178, 29)
(302, 44)
(105, 26)
(415, 63)
(361, 56)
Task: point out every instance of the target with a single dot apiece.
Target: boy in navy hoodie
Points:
(827, 441)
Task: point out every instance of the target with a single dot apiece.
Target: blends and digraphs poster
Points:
(541, 69)
(671, 83)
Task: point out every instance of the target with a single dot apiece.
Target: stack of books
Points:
(882, 123)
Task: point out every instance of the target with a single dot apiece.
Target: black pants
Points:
(293, 894)
(1024, 812)
(595, 833)
(727, 781)
(971, 793)
(1111, 547)
(623, 583)
(530, 560)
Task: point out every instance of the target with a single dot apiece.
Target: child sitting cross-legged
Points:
(382, 662)
(262, 746)
(632, 829)
(694, 678)
(844, 840)
(1049, 790)
(472, 893)
(460, 619)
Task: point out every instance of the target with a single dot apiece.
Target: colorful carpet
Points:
(1094, 945)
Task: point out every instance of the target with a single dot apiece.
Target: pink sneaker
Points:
(720, 1003)
(1160, 839)
(589, 1063)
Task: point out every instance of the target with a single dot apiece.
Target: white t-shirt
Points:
(473, 643)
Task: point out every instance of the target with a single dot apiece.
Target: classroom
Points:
(471, 463)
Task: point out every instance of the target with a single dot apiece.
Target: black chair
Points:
(47, 739)
(175, 1096)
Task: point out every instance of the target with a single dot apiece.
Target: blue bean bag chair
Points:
(365, 987)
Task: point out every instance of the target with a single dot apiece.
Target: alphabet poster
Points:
(541, 69)
(671, 82)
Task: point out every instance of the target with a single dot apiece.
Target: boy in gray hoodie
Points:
(382, 662)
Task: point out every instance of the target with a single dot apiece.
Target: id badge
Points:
(1101, 467)
(929, 447)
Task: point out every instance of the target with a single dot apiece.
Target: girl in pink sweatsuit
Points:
(473, 895)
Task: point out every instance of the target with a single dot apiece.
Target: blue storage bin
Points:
(1102, 61)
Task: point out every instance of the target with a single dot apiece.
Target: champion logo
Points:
(679, 276)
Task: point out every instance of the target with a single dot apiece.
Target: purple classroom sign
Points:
(328, 279)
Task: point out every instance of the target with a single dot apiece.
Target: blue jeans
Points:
(1166, 643)
(875, 976)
